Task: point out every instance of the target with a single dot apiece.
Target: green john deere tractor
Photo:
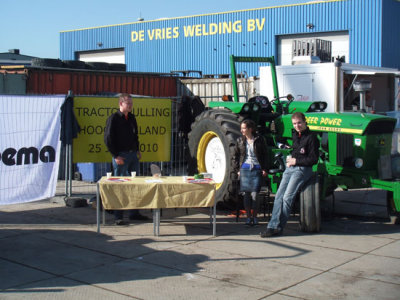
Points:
(354, 152)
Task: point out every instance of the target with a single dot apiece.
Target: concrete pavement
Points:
(50, 251)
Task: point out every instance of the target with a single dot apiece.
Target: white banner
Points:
(29, 147)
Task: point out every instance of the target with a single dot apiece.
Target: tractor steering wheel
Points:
(263, 102)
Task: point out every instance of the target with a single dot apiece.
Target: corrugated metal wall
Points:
(390, 33)
(189, 43)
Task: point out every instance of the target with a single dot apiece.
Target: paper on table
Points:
(153, 180)
(203, 180)
(118, 179)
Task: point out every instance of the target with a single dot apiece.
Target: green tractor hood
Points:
(351, 123)
(348, 123)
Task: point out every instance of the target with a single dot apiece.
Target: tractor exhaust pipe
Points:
(338, 86)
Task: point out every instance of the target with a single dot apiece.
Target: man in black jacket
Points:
(121, 139)
(298, 170)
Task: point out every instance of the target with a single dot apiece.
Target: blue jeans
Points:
(292, 179)
(131, 163)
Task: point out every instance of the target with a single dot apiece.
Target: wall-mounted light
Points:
(310, 26)
(100, 44)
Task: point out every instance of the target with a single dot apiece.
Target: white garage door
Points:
(110, 56)
(340, 45)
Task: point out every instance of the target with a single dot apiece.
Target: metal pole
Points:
(154, 221)
(98, 207)
(70, 169)
(215, 218)
(66, 170)
(363, 101)
(274, 78)
(338, 85)
(234, 79)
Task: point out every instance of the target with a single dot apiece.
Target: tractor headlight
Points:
(256, 107)
(358, 163)
(246, 108)
(317, 106)
(322, 106)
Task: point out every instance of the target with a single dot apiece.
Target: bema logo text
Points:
(26, 156)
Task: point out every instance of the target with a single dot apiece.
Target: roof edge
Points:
(202, 15)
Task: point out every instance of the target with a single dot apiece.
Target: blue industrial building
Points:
(363, 32)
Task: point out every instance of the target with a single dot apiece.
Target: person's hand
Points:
(119, 160)
(290, 161)
(139, 155)
(264, 173)
(238, 174)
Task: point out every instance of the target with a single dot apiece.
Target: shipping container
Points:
(14, 84)
(39, 80)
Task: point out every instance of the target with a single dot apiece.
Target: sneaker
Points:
(139, 217)
(248, 222)
(255, 222)
(270, 232)
(120, 222)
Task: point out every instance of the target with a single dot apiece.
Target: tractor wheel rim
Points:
(211, 156)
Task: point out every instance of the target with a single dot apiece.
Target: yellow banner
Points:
(154, 124)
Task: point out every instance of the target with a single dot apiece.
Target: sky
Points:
(34, 26)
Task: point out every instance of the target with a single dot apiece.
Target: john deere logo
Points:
(381, 142)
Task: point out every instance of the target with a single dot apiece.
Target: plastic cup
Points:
(133, 174)
(109, 174)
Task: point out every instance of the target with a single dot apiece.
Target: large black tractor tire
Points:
(212, 141)
(310, 212)
(392, 213)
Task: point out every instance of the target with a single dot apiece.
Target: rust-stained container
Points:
(93, 82)
(14, 84)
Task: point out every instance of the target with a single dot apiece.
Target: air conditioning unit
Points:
(311, 51)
